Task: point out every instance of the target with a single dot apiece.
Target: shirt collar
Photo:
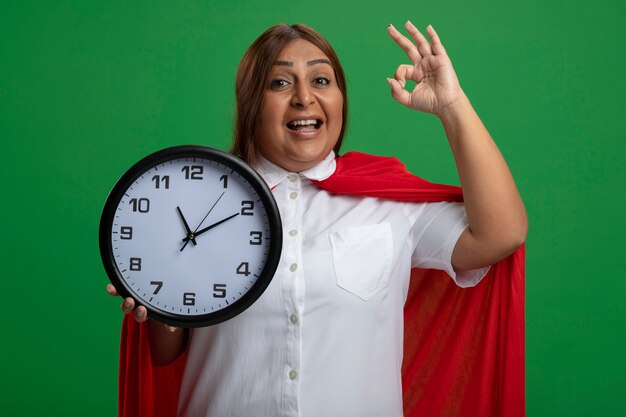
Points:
(274, 175)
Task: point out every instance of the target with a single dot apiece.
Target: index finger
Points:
(407, 46)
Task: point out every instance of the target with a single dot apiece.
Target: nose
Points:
(302, 95)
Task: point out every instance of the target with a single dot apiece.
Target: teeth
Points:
(303, 122)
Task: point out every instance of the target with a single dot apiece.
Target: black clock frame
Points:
(235, 164)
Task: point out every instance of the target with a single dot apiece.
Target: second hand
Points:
(206, 215)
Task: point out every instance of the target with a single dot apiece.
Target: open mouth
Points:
(305, 125)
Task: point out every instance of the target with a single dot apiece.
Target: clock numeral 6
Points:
(189, 299)
(256, 238)
(135, 264)
(126, 232)
(193, 172)
(219, 290)
(142, 205)
(243, 269)
(247, 207)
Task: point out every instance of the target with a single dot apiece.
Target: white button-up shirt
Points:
(326, 337)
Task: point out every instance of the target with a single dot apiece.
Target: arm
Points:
(495, 211)
(167, 343)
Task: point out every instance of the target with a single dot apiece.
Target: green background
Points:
(89, 87)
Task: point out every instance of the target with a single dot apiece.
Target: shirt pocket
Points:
(362, 258)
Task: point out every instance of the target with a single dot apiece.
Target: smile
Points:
(305, 125)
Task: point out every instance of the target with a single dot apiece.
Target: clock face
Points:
(191, 233)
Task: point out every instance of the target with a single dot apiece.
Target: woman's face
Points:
(300, 118)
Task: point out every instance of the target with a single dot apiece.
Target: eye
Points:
(321, 81)
(278, 83)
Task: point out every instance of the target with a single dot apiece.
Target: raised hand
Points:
(437, 85)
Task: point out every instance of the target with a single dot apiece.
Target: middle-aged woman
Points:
(326, 337)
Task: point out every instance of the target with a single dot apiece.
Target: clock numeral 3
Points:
(219, 290)
(247, 207)
(193, 172)
(189, 299)
(256, 238)
(135, 264)
(142, 205)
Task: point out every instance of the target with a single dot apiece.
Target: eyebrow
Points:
(309, 63)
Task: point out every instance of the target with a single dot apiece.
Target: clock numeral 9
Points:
(158, 180)
(142, 205)
(219, 290)
(243, 269)
(256, 238)
(135, 264)
(247, 207)
(126, 232)
(193, 172)
(189, 299)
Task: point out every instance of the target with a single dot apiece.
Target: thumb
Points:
(398, 92)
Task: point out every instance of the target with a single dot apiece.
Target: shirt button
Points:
(293, 267)
(293, 232)
(293, 177)
(293, 319)
(293, 195)
(293, 374)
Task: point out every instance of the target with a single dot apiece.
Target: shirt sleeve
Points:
(436, 229)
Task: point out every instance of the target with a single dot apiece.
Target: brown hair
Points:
(252, 80)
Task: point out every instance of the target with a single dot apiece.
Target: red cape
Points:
(463, 348)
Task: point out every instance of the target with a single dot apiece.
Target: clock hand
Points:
(189, 233)
(206, 229)
(205, 216)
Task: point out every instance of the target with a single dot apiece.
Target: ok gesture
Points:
(436, 83)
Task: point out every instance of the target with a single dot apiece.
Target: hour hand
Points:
(190, 235)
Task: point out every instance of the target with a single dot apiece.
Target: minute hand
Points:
(199, 232)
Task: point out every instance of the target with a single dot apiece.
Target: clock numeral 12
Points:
(193, 172)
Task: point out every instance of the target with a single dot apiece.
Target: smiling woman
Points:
(329, 335)
(301, 115)
(284, 58)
